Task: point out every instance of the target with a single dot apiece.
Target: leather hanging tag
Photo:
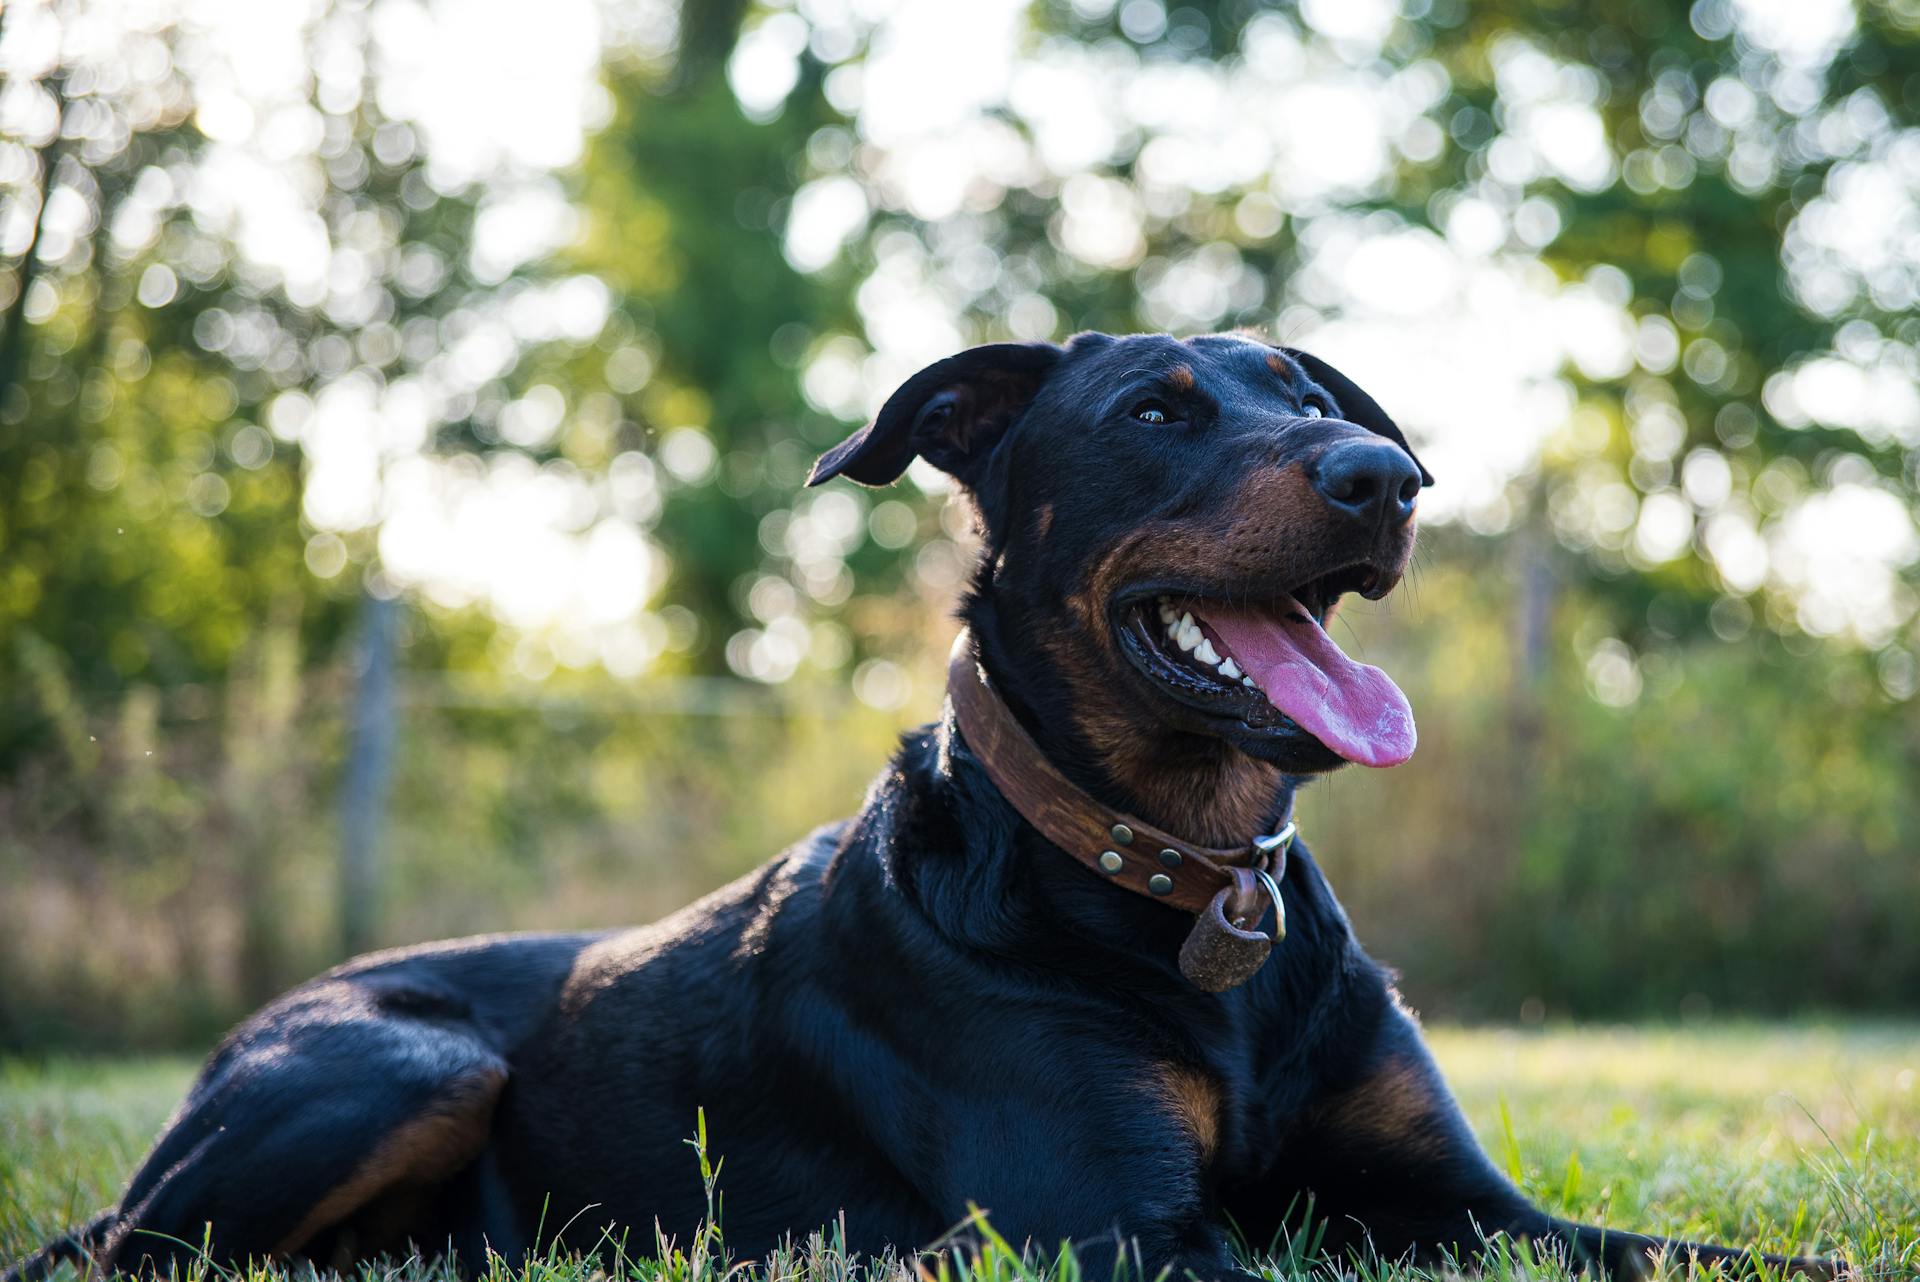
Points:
(1220, 952)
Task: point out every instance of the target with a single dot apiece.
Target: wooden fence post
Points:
(368, 773)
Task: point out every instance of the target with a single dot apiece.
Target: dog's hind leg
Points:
(328, 1126)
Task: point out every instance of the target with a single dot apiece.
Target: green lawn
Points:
(1786, 1136)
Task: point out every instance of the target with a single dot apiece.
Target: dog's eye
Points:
(1312, 409)
(1151, 412)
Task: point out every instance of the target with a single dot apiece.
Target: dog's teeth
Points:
(1229, 669)
(1248, 683)
(1188, 637)
(1206, 653)
(1186, 621)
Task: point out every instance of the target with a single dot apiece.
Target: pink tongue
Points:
(1354, 709)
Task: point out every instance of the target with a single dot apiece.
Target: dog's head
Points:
(1168, 525)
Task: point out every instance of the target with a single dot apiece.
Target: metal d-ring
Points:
(1280, 841)
(1279, 905)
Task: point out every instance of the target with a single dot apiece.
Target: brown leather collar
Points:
(1226, 890)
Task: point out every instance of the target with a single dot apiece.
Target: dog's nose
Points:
(1373, 481)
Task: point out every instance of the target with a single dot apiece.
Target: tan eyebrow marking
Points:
(1278, 364)
(1181, 377)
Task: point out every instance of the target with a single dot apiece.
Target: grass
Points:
(1786, 1136)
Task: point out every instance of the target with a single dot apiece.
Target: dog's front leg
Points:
(1388, 1166)
(1132, 1250)
(1205, 1256)
(1101, 1155)
(1140, 1241)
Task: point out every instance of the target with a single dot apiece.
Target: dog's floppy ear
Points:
(1356, 406)
(951, 413)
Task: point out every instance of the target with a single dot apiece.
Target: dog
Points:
(1068, 964)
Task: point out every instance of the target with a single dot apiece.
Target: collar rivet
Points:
(1123, 835)
(1111, 862)
(1169, 858)
(1160, 884)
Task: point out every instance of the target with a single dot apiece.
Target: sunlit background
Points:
(404, 409)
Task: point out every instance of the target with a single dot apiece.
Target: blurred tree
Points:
(683, 196)
(165, 367)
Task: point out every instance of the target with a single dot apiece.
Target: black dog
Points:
(1031, 974)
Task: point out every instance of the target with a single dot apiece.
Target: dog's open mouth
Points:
(1272, 663)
